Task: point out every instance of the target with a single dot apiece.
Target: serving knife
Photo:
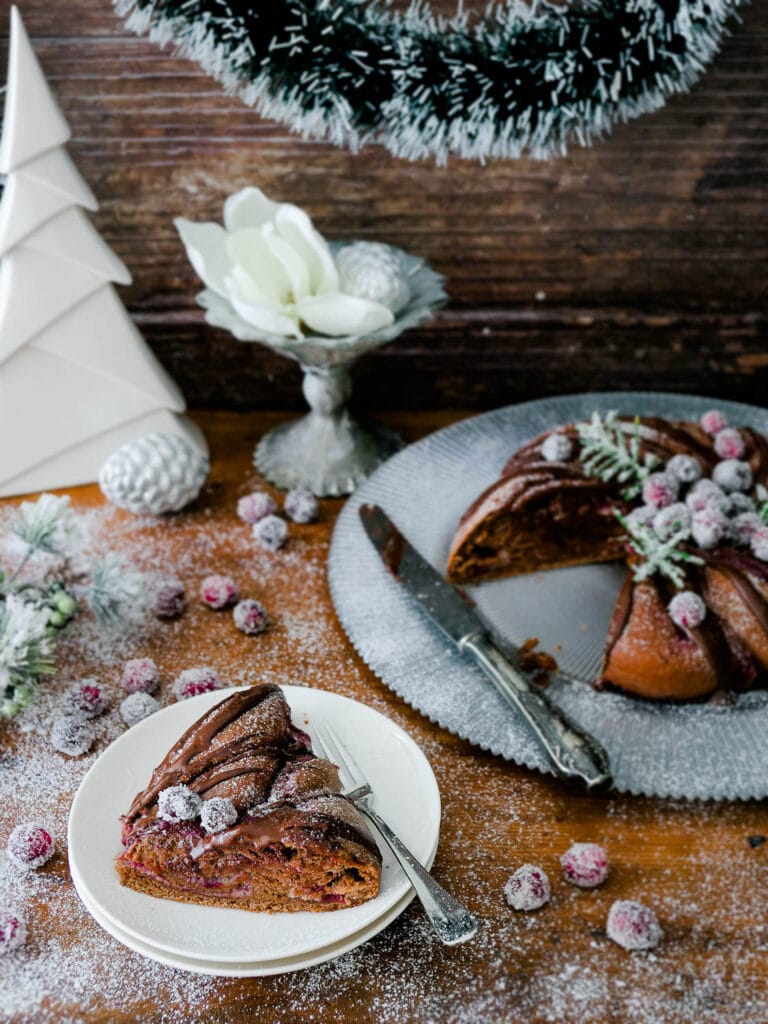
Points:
(572, 753)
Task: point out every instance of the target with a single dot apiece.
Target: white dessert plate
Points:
(254, 969)
(406, 794)
(692, 750)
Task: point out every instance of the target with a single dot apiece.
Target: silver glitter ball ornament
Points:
(154, 474)
(372, 270)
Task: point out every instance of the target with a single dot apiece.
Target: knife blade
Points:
(573, 753)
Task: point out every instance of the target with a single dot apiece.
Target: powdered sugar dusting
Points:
(556, 965)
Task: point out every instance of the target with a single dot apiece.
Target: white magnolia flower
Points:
(276, 271)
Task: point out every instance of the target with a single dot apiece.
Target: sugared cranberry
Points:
(194, 681)
(528, 888)
(13, 930)
(72, 735)
(687, 610)
(217, 814)
(218, 591)
(744, 526)
(250, 617)
(632, 925)
(642, 516)
(758, 542)
(709, 527)
(670, 520)
(270, 532)
(706, 494)
(733, 475)
(140, 675)
(301, 506)
(254, 507)
(685, 468)
(170, 599)
(585, 865)
(30, 846)
(84, 699)
(556, 448)
(713, 422)
(729, 444)
(739, 503)
(660, 490)
(178, 803)
(138, 706)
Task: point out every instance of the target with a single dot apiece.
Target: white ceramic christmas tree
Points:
(77, 380)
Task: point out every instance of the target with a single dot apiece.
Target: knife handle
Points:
(574, 754)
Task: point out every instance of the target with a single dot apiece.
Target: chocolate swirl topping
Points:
(239, 750)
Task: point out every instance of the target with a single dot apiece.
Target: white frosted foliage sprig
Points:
(606, 452)
(761, 493)
(26, 651)
(117, 593)
(657, 555)
(47, 525)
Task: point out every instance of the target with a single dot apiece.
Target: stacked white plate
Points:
(237, 943)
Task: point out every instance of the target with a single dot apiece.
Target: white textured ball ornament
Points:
(154, 474)
(371, 270)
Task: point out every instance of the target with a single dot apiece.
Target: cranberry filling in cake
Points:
(240, 813)
(684, 504)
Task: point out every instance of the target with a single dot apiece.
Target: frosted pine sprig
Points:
(117, 593)
(657, 555)
(762, 497)
(606, 453)
(26, 651)
(48, 525)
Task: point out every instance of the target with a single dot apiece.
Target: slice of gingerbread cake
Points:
(240, 813)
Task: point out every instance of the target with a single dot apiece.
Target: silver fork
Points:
(452, 921)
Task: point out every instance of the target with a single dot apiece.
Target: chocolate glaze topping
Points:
(280, 825)
(262, 743)
(193, 754)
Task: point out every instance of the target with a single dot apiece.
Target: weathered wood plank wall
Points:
(639, 263)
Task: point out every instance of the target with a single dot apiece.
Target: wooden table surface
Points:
(694, 863)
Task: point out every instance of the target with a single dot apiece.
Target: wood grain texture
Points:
(692, 862)
(641, 262)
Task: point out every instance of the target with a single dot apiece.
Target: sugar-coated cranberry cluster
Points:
(180, 803)
(679, 502)
(73, 732)
(630, 923)
(261, 512)
(714, 510)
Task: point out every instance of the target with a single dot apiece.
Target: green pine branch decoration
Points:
(762, 496)
(656, 555)
(608, 454)
(37, 597)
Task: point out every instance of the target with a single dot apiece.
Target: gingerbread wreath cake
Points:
(240, 813)
(685, 506)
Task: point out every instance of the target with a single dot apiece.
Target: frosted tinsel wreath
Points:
(519, 79)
